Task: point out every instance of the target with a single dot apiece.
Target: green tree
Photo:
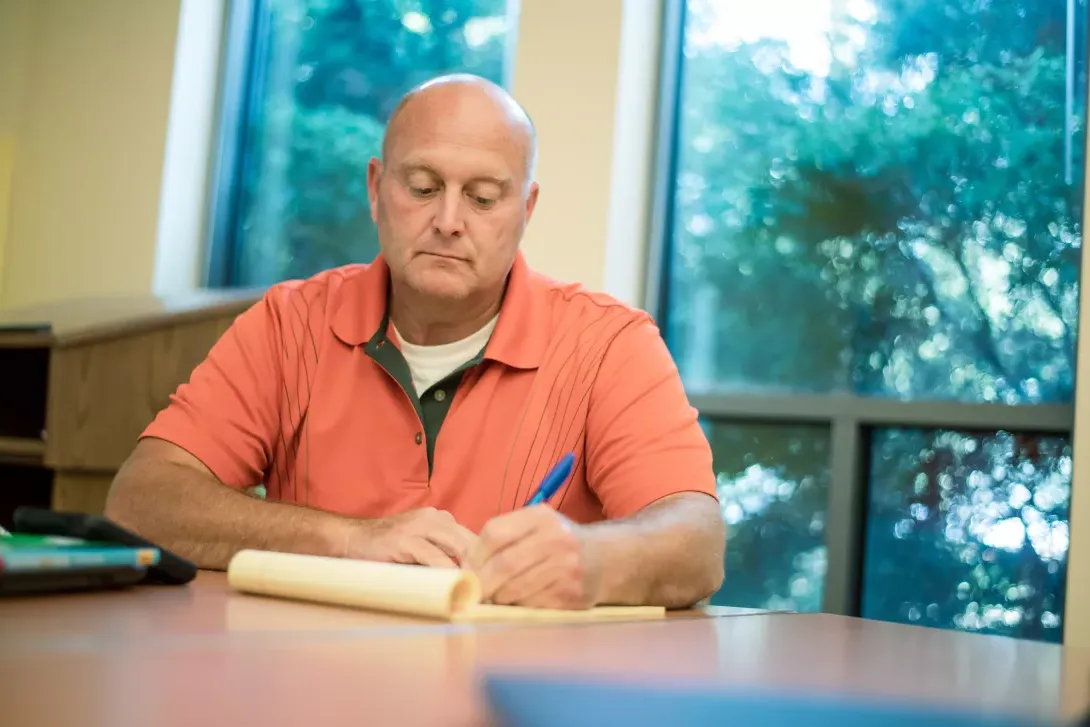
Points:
(891, 198)
(773, 493)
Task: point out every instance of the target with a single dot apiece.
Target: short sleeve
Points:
(644, 440)
(226, 414)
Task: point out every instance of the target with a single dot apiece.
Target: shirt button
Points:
(440, 395)
(419, 437)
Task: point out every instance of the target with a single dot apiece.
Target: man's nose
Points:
(449, 221)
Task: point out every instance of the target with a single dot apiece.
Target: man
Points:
(406, 410)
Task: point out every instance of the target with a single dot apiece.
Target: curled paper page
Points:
(406, 589)
(448, 594)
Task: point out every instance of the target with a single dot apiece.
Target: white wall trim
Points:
(181, 234)
(1076, 628)
(632, 180)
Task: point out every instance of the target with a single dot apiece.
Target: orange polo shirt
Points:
(307, 394)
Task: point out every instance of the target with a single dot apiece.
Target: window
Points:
(869, 227)
(309, 90)
(773, 487)
(969, 529)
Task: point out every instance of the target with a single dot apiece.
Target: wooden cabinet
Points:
(79, 381)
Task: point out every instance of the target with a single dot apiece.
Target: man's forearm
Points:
(192, 514)
(669, 554)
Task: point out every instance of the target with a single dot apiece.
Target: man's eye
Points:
(422, 191)
(483, 201)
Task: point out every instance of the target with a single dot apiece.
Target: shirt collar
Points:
(519, 341)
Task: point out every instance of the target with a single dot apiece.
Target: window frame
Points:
(850, 418)
(243, 56)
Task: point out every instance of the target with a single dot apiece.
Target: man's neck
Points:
(434, 323)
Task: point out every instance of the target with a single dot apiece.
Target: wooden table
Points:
(202, 655)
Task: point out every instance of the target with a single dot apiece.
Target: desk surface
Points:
(79, 319)
(204, 655)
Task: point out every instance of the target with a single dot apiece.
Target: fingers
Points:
(520, 563)
(503, 531)
(453, 539)
(439, 528)
(531, 556)
(561, 593)
(538, 586)
(424, 552)
(424, 536)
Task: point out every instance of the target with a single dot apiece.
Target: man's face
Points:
(451, 202)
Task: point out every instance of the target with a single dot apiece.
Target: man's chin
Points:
(441, 284)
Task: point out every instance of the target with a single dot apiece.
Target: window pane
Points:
(880, 197)
(332, 72)
(968, 531)
(773, 484)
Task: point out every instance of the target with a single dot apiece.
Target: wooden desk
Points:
(80, 379)
(204, 656)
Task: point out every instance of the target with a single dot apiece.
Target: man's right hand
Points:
(425, 536)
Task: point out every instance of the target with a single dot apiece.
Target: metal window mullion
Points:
(845, 517)
(818, 409)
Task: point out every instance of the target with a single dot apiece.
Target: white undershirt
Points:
(431, 364)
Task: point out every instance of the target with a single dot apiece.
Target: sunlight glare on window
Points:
(479, 31)
(807, 36)
(416, 22)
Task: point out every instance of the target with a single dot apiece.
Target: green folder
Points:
(26, 553)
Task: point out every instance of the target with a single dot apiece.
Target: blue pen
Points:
(557, 476)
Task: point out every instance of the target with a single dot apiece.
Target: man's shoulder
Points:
(576, 302)
(315, 292)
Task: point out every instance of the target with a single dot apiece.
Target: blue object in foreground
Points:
(527, 701)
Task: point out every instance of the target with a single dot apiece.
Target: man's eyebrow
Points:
(501, 183)
(410, 167)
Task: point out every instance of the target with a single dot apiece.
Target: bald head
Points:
(464, 95)
(450, 198)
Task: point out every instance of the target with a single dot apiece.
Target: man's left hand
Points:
(536, 557)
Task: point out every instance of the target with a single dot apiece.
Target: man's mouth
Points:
(444, 256)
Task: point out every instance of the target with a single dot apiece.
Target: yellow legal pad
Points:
(445, 594)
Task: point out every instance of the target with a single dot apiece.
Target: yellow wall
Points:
(92, 102)
(94, 107)
(566, 77)
(7, 165)
(15, 17)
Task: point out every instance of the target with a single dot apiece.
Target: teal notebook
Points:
(21, 554)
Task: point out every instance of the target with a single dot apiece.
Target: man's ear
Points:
(374, 177)
(531, 199)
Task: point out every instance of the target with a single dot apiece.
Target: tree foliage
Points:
(910, 201)
(899, 222)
